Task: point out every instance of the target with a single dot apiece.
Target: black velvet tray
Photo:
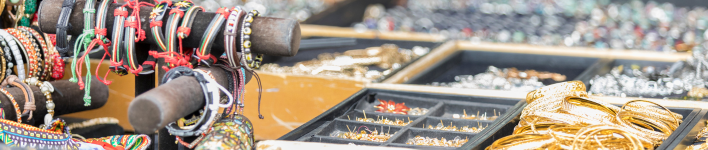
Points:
(687, 137)
(604, 66)
(504, 128)
(475, 62)
(311, 53)
(441, 107)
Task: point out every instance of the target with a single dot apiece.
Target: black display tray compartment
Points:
(307, 54)
(354, 115)
(465, 62)
(606, 66)
(434, 121)
(441, 107)
(504, 128)
(340, 125)
(687, 137)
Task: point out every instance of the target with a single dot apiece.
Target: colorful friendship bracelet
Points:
(208, 38)
(134, 33)
(185, 28)
(132, 60)
(101, 33)
(116, 66)
(156, 16)
(230, 33)
(83, 42)
(12, 41)
(174, 58)
(100, 27)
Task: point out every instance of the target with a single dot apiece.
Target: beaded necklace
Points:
(23, 135)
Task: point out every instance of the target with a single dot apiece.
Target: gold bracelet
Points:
(554, 88)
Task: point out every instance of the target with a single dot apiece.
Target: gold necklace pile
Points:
(427, 141)
(373, 136)
(353, 63)
(562, 116)
(382, 120)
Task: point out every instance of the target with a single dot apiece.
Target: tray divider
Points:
(595, 69)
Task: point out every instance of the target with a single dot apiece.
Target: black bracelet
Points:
(63, 25)
(232, 79)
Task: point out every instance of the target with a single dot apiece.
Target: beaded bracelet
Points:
(27, 49)
(230, 36)
(45, 51)
(47, 89)
(36, 50)
(4, 55)
(58, 63)
(208, 38)
(17, 55)
(14, 104)
(4, 64)
(246, 43)
(7, 58)
(117, 67)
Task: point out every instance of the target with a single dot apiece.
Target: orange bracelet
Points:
(29, 51)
